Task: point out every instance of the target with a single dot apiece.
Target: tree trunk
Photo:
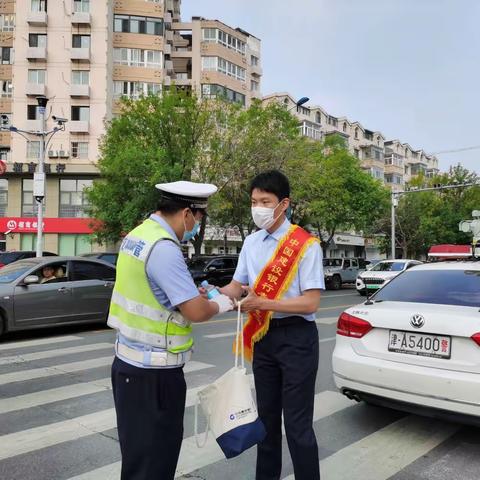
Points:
(198, 240)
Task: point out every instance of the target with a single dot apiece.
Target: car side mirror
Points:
(31, 279)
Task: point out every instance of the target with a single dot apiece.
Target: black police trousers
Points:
(285, 364)
(150, 404)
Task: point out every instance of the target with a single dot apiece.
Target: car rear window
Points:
(444, 287)
(9, 257)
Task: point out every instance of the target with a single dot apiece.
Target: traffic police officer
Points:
(153, 304)
(285, 360)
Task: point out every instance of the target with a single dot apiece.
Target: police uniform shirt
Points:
(259, 248)
(171, 283)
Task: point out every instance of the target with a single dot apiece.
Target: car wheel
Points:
(336, 282)
(3, 325)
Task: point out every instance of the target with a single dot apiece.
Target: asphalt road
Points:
(57, 420)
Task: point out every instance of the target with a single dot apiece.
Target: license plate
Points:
(373, 286)
(421, 344)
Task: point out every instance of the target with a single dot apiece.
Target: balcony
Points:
(37, 19)
(169, 5)
(169, 36)
(77, 126)
(80, 18)
(167, 49)
(167, 18)
(37, 53)
(35, 89)
(80, 54)
(79, 90)
(169, 67)
(256, 70)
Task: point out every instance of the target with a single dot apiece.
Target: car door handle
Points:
(64, 290)
(108, 284)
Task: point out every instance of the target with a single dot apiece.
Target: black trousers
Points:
(285, 364)
(150, 404)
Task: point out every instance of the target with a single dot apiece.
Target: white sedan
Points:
(415, 345)
(382, 273)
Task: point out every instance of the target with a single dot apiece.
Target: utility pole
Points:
(396, 195)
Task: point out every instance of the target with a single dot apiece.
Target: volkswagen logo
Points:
(417, 321)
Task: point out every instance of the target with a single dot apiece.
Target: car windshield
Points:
(388, 267)
(9, 257)
(12, 272)
(332, 262)
(444, 287)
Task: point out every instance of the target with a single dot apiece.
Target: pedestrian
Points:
(282, 265)
(153, 304)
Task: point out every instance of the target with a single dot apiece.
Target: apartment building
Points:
(391, 161)
(84, 55)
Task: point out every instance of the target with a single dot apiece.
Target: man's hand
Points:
(203, 292)
(253, 302)
(224, 303)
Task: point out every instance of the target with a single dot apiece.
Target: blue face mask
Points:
(189, 234)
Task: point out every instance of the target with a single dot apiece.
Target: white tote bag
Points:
(229, 407)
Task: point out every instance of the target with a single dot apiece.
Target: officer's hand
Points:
(224, 303)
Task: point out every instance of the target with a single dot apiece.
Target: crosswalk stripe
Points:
(64, 368)
(400, 444)
(75, 390)
(40, 341)
(326, 321)
(28, 357)
(192, 458)
(48, 435)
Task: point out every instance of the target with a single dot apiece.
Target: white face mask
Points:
(263, 217)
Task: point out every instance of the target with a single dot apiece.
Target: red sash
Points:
(273, 281)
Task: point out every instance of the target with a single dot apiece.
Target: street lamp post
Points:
(301, 101)
(38, 177)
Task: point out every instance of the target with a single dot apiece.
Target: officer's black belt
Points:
(287, 321)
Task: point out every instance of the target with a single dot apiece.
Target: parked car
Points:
(415, 345)
(217, 270)
(382, 273)
(78, 292)
(9, 257)
(339, 271)
(110, 257)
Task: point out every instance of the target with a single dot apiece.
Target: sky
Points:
(407, 68)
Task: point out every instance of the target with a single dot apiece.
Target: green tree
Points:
(155, 139)
(333, 192)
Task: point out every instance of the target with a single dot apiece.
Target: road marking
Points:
(192, 458)
(221, 335)
(75, 390)
(326, 321)
(329, 339)
(40, 341)
(28, 357)
(400, 444)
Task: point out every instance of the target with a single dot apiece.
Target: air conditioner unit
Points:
(63, 154)
(52, 154)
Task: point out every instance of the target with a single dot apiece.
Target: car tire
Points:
(3, 325)
(336, 283)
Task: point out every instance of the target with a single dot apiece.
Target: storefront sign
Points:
(349, 240)
(32, 167)
(50, 225)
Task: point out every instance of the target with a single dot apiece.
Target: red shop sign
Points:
(50, 225)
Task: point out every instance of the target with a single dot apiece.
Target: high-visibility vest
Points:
(134, 310)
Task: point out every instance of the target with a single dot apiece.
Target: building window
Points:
(254, 61)
(7, 22)
(37, 40)
(377, 173)
(6, 88)
(33, 113)
(219, 91)
(356, 152)
(134, 57)
(356, 133)
(33, 149)
(254, 86)
(80, 114)
(81, 6)
(39, 5)
(7, 55)
(135, 89)
(332, 121)
(73, 198)
(37, 76)
(3, 196)
(81, 41)
(80, 77)
(70, 244)
(318, 117)
(134, 24)
(219, 36)
(344, 126)
(79, 150)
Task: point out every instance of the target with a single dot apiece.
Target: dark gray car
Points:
(54, 291)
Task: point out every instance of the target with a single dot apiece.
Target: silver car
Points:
(54, 291)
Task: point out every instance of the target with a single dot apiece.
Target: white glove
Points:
(224, 303)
